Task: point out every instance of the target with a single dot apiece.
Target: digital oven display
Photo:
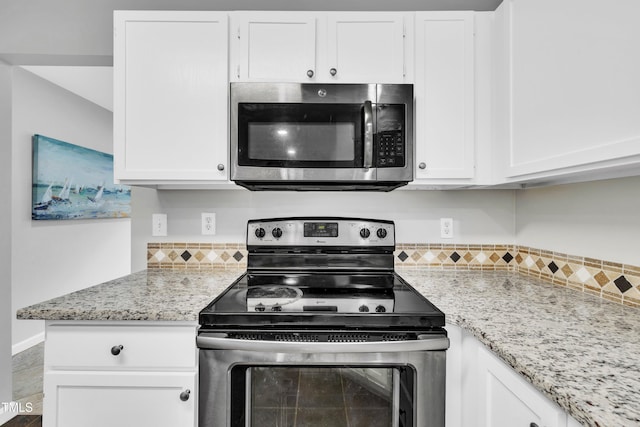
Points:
(320, 229)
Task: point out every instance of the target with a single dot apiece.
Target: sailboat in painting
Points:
(46, 199)
(63, 196)
(98, 195)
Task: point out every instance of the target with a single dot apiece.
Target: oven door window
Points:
(300, 135)
(319, 396)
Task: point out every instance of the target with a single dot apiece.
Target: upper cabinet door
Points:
(445, 95)
(170, 96)
(568, 92)
(277, 46)
(365, 48)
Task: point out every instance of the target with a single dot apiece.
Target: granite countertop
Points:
(175, 295)
(577, 349)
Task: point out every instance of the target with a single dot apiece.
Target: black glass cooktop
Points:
(320, 301)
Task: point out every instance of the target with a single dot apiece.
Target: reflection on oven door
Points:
(322, 396)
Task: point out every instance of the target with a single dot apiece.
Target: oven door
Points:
(252, 383)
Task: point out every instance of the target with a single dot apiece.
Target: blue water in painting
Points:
(83, 171)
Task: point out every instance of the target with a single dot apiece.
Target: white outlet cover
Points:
(446, 228)
(159, 224)
(208, 224)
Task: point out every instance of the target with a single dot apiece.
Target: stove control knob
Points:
(363, 309)
(260, 233)
(364, 233)
(380, 309)
(381, 233)
(276, 232)
(260, 307)
(276, 307)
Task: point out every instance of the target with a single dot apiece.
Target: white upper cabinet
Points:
(275, 45)
(445, 96)
(345, 47)
(170, 96)
(568, 92)
(365, 48)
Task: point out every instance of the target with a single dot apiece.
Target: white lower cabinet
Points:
(103, 399)
(509, 400)
(483, 391)
(105, 373)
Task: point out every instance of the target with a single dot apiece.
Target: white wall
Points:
(599, 219)
(52, 258)
(485, 216)
(5, 239)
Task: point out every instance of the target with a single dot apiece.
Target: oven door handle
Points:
(368, 134)
(423, 343)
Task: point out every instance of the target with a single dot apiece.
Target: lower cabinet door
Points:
(105, 399)
(511, 401)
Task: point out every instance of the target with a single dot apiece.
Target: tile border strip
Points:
(612, 281)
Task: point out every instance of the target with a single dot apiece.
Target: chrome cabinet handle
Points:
(116, 349)
(309, 73)
(422, 165)
(368, 134)
(220, 167)
(333, 71)
(184, 396)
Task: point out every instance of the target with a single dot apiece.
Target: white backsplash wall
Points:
(599, 219)
(480, 216)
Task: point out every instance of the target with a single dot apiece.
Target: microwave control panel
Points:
(390, 136)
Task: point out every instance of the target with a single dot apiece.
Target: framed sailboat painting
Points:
(74, 182)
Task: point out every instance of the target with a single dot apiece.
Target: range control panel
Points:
(320, 232)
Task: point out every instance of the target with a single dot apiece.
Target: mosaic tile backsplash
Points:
(612, 281)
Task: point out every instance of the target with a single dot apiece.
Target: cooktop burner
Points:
(320, 274)
(243, 305)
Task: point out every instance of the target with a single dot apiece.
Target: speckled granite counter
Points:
(147, 295)
(579, 350)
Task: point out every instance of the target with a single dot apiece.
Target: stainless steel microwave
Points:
(300, 136)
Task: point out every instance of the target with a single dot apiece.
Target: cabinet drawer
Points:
(143, 347)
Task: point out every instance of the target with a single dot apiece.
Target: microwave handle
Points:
(368, 134)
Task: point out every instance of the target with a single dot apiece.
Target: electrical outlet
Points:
(446, 228)
(208, 224)
(159, 224)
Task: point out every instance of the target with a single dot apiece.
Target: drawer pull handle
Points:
(333, 71)
(422, 165)
(116, 349)
(184, 396)
(309, 73)
(220, 167)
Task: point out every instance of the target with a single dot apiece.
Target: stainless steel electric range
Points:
(321, 331)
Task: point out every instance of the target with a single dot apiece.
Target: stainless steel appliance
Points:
(293, 136)
(321, 331)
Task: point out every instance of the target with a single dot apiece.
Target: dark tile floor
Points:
(24, 421)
